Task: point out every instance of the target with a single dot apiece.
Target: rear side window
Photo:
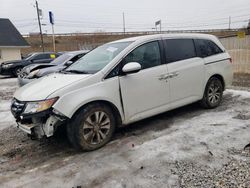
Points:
(179, 49)
(206, 48)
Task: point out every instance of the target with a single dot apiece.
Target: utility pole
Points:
(39, 22)
(53, 38)
(229, 23)
(124, 29)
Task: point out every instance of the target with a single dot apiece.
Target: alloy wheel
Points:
(96, 127)
(214, 93)
(18, 71)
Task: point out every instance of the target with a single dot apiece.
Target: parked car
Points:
(35, 71)
(13, 68)
(123, 82)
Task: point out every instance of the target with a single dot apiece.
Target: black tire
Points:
(91, 127)
(213, 93)
(17, 71)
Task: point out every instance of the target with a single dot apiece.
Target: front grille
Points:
(17, 108)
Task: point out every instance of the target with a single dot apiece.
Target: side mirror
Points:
(68, 63)
(131, 67)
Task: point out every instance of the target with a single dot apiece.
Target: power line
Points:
(98, 25)
(207, 20)
(175, 27)
(116, 8)
(81, 23)
(206, 25)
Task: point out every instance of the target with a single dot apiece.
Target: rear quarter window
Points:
(206, 48)
(179, 49)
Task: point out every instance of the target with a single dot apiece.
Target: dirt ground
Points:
(241, 80)
(186, 147)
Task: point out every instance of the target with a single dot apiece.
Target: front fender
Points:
(106, 90)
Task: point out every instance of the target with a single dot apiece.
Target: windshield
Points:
(98, 58)
(28, 57)
(61, 59)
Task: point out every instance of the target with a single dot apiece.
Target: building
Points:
(11, 41)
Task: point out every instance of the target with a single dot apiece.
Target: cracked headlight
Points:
(33, 73)
(39, 106)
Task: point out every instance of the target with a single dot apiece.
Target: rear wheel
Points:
(213, 93)
(92, 127)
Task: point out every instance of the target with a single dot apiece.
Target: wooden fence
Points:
(239, 49)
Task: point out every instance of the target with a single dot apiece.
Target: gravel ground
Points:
(187, 147)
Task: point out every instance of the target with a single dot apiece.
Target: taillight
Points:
(230, 60)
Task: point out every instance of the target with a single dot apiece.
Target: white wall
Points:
(7, 54)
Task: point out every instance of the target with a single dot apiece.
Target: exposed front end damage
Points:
(37, 125)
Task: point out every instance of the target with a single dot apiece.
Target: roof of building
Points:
(10, 36)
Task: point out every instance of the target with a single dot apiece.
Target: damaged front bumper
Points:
(26, 128)
(38, 125)
(38, 128)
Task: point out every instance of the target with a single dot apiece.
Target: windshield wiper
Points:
(75, 71)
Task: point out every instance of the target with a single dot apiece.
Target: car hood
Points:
(32, 67)
(45, 86)
(44, 71)
(14, 61)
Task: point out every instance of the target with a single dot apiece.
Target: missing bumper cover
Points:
(26, 128)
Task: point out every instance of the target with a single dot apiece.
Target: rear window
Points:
(179, 49)
(44, 56)
(41, 56)
(206, 48)
(61, 59)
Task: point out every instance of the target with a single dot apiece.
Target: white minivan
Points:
(123, 82)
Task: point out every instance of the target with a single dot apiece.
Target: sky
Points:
(140, 15)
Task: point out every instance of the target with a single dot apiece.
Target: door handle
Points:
(173, 74)
(163, 77)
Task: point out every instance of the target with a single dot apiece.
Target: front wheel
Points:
(17, 71)
(213, 93)
(92, 127)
